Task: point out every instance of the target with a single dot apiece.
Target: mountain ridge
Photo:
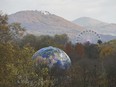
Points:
(38, 17)
(44, 23)
(87, 21)
(96, 25)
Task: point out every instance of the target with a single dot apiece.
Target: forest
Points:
(92, 65)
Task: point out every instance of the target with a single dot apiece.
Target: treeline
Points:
(38, 42)
(93, 65)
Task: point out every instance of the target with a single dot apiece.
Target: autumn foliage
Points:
(93, 65)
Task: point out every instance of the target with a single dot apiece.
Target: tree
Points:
(61, 39)
(4, 29)
(31, 40)
(16, 31)
(92, 51)
(79, 48)
(99, 42)
(68, 48)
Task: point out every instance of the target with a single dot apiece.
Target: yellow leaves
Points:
(14, 61)
(28, 49)
(12, 69)
(6, 51)
(106, 51)
(45, 71)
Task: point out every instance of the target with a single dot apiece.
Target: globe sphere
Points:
(52, 57)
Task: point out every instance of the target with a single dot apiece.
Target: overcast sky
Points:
(104, 10)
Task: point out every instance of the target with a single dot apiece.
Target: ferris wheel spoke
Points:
(88, 35)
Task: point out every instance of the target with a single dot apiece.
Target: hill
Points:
(45, 23)
(96, 25)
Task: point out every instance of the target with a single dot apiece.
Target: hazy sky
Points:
(104, 10)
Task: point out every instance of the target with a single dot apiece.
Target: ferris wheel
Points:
(88, 36)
